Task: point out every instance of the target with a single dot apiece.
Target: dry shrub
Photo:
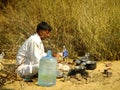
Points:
(81, 25)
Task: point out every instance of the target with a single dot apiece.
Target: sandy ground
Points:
(96, 81)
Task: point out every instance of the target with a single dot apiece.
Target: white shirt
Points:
(30, 54)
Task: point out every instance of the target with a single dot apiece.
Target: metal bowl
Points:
(91, 65)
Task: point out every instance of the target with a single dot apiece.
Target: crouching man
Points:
(32, 51)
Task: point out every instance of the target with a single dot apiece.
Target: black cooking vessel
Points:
(91, 65)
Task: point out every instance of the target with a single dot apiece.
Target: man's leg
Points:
(27, 71)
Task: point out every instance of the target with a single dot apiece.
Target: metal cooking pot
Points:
(91, 65)
(80, 67)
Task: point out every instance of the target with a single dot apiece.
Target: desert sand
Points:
(96, 81)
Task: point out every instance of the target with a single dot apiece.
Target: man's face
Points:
(44, 34)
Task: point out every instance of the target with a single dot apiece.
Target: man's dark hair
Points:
(43, 26)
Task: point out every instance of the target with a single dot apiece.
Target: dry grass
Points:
(82, 25)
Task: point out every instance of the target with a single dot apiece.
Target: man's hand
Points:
(58, 56)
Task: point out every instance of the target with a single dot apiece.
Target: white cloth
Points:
(29, 55)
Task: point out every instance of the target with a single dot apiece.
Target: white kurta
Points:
(29, 55)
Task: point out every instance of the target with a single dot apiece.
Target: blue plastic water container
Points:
(47, 70)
